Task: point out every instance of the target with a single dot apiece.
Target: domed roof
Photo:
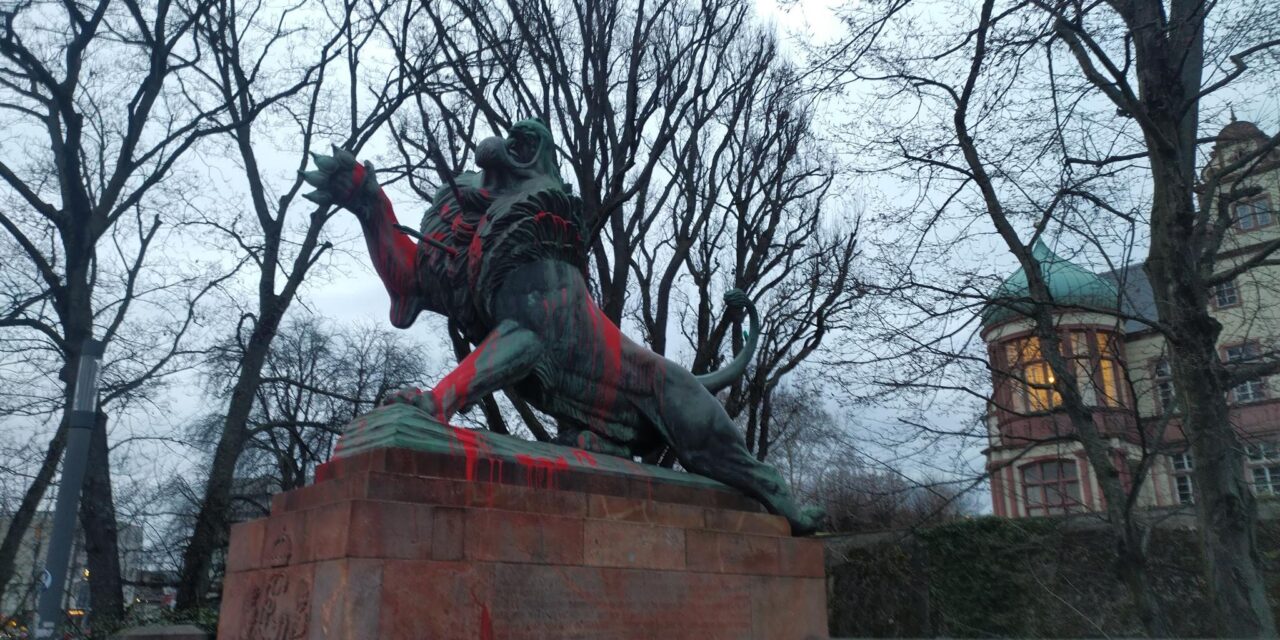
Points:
(1069, 285)
(1240, 130)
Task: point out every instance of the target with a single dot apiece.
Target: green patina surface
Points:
(405, 426)
(1069, 284)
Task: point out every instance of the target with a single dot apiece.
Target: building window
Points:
(1253, 214)
(1032, 380)
(1249, 390)
(1266, 480)
(1051, 487)
(1264, 463)
(1225, 295)
(1265, 451)
(1109, 372)
(1182, 466)
(1162, 381)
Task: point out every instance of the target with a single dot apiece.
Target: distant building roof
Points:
(1239, 130)
(1069, 285)
(1137, 299)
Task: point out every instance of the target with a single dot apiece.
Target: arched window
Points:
(1051, 487)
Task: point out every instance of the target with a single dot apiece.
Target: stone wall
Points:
(1035, 577)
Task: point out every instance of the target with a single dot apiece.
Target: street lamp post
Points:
(84, 405)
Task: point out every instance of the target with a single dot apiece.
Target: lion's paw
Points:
(810, 521)
(411, 396)
(338, 179)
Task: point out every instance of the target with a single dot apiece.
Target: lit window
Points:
(1253, 214)
(1249, 390)
(1225, 295)
(1032, 384)
(1051, 487)
(1109, 368)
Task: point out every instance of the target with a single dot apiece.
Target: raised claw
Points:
(317, 179)
(318, 197)
(343, 156)
(324, 163)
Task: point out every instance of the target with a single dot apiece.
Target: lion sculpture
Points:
(501, 254)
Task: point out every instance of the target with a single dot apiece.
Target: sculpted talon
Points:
(318, 197)
(324, 163)
(316, 178)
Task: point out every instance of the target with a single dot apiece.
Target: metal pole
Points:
(84, 405)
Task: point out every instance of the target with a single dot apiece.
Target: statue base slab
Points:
(400, 543)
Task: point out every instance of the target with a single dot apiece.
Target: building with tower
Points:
(1036, 467)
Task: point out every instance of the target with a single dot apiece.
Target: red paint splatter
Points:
(610, 356)
(475, 254)
(541, 472)
(460, 226)
(560, 224)
(457, 383)
(584, 457)
(357, 179)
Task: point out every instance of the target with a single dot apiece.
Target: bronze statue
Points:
(500, 253)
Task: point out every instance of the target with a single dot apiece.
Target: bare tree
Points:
(315, 381)
(281, 241)
(86, 94)
(1037, 117)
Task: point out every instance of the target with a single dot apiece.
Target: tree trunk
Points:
(21, 520)
(1225, 507)
(213, 520)
(98, 521)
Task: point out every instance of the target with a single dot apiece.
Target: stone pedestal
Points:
(482, 542)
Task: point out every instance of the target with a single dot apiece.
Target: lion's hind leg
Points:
(582, 438)
(707, 442)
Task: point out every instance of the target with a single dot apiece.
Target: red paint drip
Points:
(473, 444)
(458, 382)
(611, 360)
(486, 624)
(541, 472)
(584, 457)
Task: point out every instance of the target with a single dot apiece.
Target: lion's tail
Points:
(722, 378)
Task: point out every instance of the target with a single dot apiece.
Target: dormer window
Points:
(1253, 214)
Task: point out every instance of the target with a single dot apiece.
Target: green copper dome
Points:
(1069, 285)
